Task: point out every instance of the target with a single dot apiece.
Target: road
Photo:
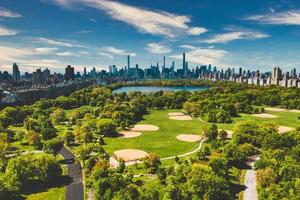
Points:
(250, 182)
(75, 189)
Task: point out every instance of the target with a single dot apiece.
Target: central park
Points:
(168, 143)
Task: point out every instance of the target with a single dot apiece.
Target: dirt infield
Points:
(144, 127)
(282, 110)
(181, 117)
(265, 115)
(176, 114)
(129, 134)
(189, 137)
(130, 154)
(284, 129)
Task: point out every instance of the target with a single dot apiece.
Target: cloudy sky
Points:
(53, 33)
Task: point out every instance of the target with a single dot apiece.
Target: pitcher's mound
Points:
(284, 129)
(130, 154)
(182, 117)
(189, 137)
(176, 114)
(129, 134)
(265, 115)
(144, 127)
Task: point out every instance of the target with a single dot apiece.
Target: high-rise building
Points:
(69, 73)
(16, 73)
(128, 61)
(84, 71)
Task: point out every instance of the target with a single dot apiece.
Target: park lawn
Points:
(57, 193)
(162, 142)
(285, 118)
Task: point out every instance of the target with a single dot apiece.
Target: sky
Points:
(254, 34)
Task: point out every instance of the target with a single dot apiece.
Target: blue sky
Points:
(256, 34)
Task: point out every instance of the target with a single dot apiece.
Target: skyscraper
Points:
(16, 73)
(69, 73)
(128, 61)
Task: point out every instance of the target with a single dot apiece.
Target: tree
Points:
(53, 146)
(266, 177)
(204, 153)
(34, 139)
(58, 116)
(152, 163)
(106, 127)
(220, 166)
(68, 137)
(212, 133)
(222, 135)
(121, 166)
(162, 175)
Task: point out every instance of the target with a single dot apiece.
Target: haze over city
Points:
(100, 33)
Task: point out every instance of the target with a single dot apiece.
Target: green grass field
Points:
(164, 142)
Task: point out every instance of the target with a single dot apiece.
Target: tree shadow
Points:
(37, 186)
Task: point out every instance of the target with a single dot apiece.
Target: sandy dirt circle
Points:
(129, 134)
(176, 114)
(182, 117)
(144, 127)
(130, 154)
(282, 110)
(284, 129)
(189, 137)
(265, 115)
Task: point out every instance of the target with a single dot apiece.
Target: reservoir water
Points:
(159, 88)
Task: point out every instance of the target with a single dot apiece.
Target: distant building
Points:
(69, 73)
(16, 73)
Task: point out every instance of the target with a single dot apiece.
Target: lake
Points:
(159, 88)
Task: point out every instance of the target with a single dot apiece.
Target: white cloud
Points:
(291, 17)
(116, 51)
(10, 54)
(108, 55)
(158, 48)
(65, 54)
(196, 31)
(203, 56)
(45, 50)
(58, 43)
(236, 35)
(7, 32)
(8, 13)
(144, 20)
(187, 46)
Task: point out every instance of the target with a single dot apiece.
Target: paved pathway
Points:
(250, 182)
(75, 188)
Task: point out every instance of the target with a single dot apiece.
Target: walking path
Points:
(75, 188)
(250, 182)
(114, 163)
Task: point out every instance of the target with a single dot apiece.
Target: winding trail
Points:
(75, 189)
(114, 163)
(250, 192)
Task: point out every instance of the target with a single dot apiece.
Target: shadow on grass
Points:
(37, 186)
(236, 188)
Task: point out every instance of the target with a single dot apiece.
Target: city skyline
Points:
(98, 33)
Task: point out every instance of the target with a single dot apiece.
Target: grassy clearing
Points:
(163, 142)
